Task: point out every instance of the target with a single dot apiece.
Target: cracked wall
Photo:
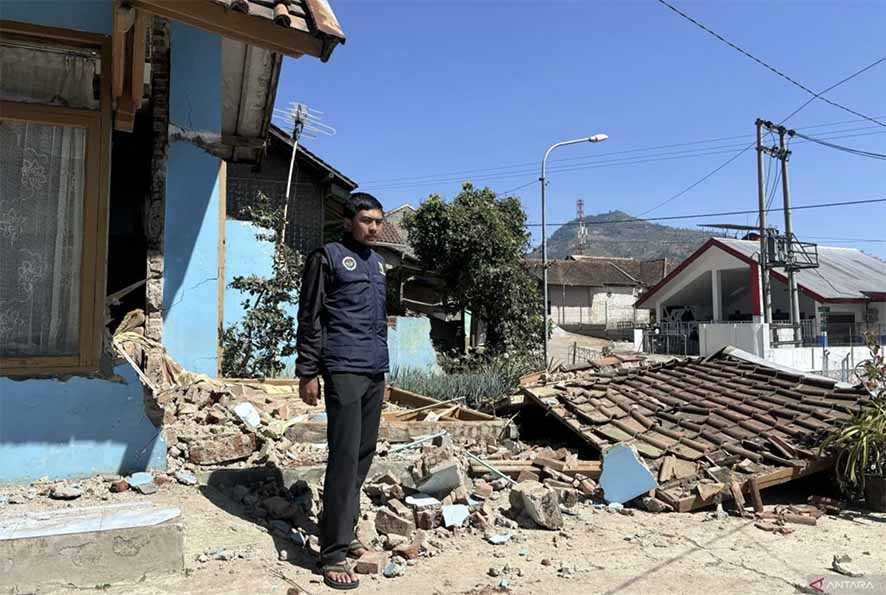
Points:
(193, 196)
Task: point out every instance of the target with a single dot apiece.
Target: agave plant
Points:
(861, 445)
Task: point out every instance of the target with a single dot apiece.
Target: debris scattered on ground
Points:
(839, 565)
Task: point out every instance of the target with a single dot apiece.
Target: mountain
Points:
(609, 235)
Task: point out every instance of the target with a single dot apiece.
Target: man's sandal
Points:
(344, 568)
(357, 549)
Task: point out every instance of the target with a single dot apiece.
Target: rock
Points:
(146, 489)
(18, 499)
(527, 475)
(239, 492)
(498, 538)
(442, 479)
(281, 528)
(655, 505)
(839, 565)
(371, 562)
(624, 475)
(483, 489)
(140, 478)
(395, 567)
(388, 522)
(393, 540)
(65, 492)
(493, 571)
(500, 484)
(615, 507)
(248, 414)
(222, 448)
(428, 519)
(540, 503)
(277, 507)
(186, 478)
(283, 555)
(409, 551)
(546, 562)
(455, 515)
(420, 501)
(366, 532)
(119, 486)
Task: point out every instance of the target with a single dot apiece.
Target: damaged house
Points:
(118, 122)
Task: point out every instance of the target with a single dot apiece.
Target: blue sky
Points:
(425, 94)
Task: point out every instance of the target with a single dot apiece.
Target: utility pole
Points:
(794, 295)
(761, 195)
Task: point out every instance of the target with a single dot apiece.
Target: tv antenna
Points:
(302, 120)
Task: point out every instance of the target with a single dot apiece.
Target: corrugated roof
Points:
(844, 273)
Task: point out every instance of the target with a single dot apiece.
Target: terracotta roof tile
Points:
(719, 409)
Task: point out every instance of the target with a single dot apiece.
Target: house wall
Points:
(193, 187)
(246, 255)
(409, 345)
(78, 426)
(597, 306)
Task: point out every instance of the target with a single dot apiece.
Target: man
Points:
(343, 336)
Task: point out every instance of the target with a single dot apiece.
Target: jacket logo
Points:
(381, 268)
(349, 263)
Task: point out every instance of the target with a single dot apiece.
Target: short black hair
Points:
(361, 201)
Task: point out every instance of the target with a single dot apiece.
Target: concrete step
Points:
(89, 547)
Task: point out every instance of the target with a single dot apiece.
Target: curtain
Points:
(46, 75)
(42, 170)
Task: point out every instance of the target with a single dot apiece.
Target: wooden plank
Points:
(737, 497)
(412, 400)
(754, 489)
(220, 283)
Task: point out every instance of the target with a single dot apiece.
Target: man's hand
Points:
(309, 390)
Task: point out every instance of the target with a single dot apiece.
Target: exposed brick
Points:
(222, 448)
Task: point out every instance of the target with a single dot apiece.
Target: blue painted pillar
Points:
(192, 202)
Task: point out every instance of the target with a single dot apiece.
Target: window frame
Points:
(93, 260)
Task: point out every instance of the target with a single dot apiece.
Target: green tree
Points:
(477, 243)
(255, 346)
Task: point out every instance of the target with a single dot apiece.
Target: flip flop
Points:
(344, 568)
(357, 549)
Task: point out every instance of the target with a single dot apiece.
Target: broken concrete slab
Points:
(387, 522)
(539, 502)
(455, 515)
(82, 548)
(624, 475)
(248, 414)
(371, 562)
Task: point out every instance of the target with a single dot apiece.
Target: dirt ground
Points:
(597, 552)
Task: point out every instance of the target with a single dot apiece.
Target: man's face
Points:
(366, 226)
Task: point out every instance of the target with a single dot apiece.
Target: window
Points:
(54, 131)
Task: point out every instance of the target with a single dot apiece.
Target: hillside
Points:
(637, 239)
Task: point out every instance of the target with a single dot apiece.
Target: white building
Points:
(720, 283)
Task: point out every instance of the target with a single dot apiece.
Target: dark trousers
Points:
(353, 412)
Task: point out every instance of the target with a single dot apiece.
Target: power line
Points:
(602, 163)
(720, 214)
(742, 151)
(532, 166)
(858, 152)
(772, 68)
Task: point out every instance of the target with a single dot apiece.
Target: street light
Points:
(597, 138)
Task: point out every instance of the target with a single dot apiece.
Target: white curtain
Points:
(41, 223)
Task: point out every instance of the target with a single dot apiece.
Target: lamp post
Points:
(597, 138)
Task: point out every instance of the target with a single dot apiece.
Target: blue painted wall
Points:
(76, 428)
(410, 347)
(91, 16)
(192, 203)
(247, 255)
(80, 426)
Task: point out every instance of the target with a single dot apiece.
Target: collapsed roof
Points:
(692, 420)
